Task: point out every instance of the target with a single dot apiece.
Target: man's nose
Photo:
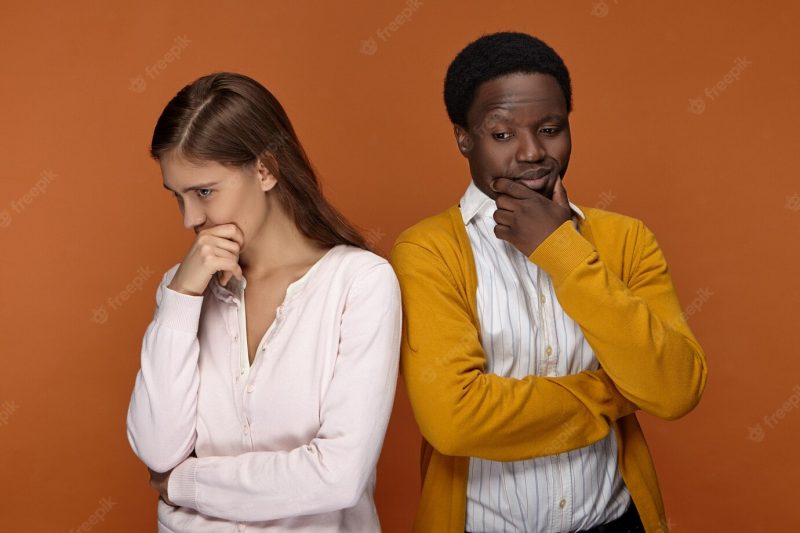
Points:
(529, 149)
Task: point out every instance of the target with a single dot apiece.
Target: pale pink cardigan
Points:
(290, 444)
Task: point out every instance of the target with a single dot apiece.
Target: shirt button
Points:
(548, 350)
(541, 298)
(562, 503)
(246, 430)
(251, 388)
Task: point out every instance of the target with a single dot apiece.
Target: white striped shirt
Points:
(525, 331)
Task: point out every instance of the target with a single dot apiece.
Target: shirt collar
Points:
(475, 202)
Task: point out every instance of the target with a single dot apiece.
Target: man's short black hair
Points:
(493, 56)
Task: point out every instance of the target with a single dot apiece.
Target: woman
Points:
(268, 372)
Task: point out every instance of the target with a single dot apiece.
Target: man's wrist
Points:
(561, 252)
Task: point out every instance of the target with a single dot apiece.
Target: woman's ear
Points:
(267, 167)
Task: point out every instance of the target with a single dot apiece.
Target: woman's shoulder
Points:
(356, 257)
(351, 263)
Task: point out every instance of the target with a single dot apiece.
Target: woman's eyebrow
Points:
(194, 187)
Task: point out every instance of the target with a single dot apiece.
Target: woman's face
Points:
(210, 194)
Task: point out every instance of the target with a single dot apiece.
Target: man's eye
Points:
(550, 131)
(502, 136)
(204, 196)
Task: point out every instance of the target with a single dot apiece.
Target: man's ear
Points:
(267, 167)
(463, 140)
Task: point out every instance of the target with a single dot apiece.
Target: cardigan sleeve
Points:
(462, 410)
(331, 471)
(640, 336)
(162, 413)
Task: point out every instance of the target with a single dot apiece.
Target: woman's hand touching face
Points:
(215, 249)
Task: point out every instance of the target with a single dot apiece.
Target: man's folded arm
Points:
(464, 411)
(636, 329)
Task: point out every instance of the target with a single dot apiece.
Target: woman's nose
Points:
(193, 217)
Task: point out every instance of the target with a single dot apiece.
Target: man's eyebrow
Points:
(558, 117)
(195, 187)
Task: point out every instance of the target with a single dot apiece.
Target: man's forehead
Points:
(503, 96)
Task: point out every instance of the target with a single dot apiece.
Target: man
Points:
(535, 328)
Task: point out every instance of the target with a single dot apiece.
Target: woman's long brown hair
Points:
(234, 120)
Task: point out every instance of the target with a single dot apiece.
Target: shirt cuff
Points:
(179, 311)
(561, 252)
(182, 484)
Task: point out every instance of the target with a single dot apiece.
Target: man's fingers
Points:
(503, 217)
(560, 194)
(512, 188)
(506, 203)
(502, 232)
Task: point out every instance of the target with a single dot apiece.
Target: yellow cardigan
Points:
(613, 280)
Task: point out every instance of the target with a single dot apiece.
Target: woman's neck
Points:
(278, 245)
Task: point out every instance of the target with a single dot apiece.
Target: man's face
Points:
(518, 129)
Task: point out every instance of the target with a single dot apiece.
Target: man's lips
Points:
(534, 179)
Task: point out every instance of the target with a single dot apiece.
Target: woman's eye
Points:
(201, 191)
(502, 136)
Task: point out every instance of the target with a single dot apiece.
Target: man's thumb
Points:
(560, 194)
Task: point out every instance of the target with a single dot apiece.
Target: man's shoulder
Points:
(607, 223)
(431, 231)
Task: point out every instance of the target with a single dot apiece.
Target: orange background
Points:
(83, 213)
